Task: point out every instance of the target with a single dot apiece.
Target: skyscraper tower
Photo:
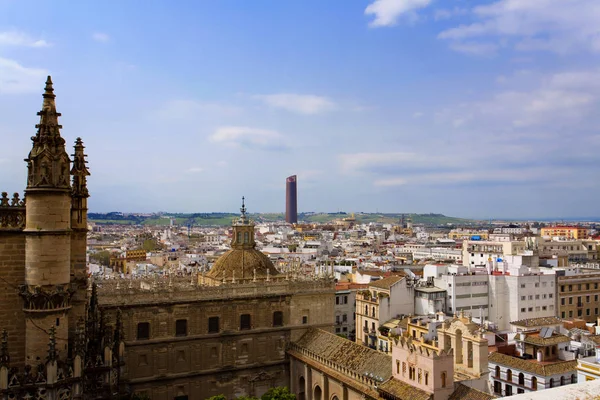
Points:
(47, 292)
(291, 200)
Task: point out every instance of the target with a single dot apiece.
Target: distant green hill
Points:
(225, 219)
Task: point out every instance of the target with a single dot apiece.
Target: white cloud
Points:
(298, 103)
(442, 13)
(242, 136)
(101, 37)
(15, 78)
(535, 25)
(529, 99)
(194, 170)
(473, 48)
(185, 109)
(391, 182)
(14, 38)
(387, 12)
(418, 114)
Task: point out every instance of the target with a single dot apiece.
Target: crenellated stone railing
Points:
(12, 212)
(131, 292)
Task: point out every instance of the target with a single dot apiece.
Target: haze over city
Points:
(476, 109)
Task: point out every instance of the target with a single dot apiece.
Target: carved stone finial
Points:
(4, 356)
(49, 89)
(80, 171)
(80, 338)
(4, 200)
(48, 162)
(52, 353)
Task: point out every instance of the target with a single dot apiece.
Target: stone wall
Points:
(233, 361)
(12, 274)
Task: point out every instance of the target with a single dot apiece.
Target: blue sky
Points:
(470, 108)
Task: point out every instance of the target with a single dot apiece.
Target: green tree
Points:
(278, 393)
(217, 397)
(101, 257)
(149, 245)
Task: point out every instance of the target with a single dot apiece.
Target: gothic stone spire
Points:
(48, 162)
(80, 171)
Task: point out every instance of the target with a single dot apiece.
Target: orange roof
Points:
(350, 285)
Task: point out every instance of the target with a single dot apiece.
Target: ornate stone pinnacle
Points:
(4, 357)
(52, 353)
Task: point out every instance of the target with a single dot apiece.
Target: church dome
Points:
(242, 264)
(243, 261)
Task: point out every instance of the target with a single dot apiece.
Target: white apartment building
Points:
(478, 252)
(466, 288)
(437, 253)
(519, 292)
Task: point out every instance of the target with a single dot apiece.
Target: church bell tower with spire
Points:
(47, 291)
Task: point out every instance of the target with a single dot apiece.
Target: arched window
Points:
(301, 388)
(366, 310)
(573, 378)
(521, 379)
(443, 379)
(562, 381)
(497, 371)
(534, 383)
(278, 318)
(373, 312)
(403, 368)
(509, 375)
(551, 382)
(426, 378)
(239, 237)
(397, 366)
(318, 393)
(246, 237)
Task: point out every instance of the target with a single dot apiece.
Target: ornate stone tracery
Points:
(47, 298)
(12, 212)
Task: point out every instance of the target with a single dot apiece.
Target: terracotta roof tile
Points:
(346, 354)
(399, 390)
(541, 321)
(386, 283)
(539, 341)
(463, 392)
(532, 366)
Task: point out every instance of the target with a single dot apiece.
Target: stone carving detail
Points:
(48, 162)
(52, 298)
(12, 212)
(79, 171)
(261, 376)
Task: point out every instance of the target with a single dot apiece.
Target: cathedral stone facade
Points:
(64, 337)
(225, 332)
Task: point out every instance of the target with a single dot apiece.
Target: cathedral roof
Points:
(396, 389)
(346, 354)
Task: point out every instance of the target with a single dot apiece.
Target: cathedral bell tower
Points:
(47, 291)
